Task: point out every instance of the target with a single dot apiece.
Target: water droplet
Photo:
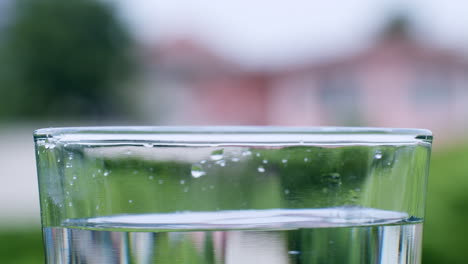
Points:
(389, 163)
(58, 160)
(221, 163)
(182, 182)
(94, 175)
(203, 162)
(378, 154)
(186, 189)
(60, 205)
(286, 191)
(151, 177)
(74, 177)
(235, 159)
(70, 204)
(68, 193)
(130, 201)
(161, 181)
(258, 154)
(284, 161)
(71, 183)
(294, 252)
(265, 161)
(106, 173)
(306, 159)
(68, 165)
(261, 169)
(246, 153)
(308, 150)
(97, 207)
(197, 171)
(70, 156)
(217, 154)
(99, 170)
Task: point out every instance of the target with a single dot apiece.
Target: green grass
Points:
(20, 246)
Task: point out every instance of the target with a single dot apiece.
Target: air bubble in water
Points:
(186, 189)
(58, 160)
(378, 154)
(306, 159)
(161, 181)
(151, 177)
(182, 182)
(68, 165)
(235, 159)
(70, 204)
(265, 161)
(261, 169)
(221, 163)
(130, 201)
(333, 179)
(284, 161)
(203, 162)
(258, 154)
(217, 154)
(74, 177)
(106, 173)
(246, 153)
(197, 171)
(50, 145)
(294, 252)
(286, 191)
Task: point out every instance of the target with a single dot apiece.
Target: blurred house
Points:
(397, 81)
(5, 13)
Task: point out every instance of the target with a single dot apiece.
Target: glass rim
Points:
(235, 134)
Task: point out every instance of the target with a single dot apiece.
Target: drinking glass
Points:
(212, 195)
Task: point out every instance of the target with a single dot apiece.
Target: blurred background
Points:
(200, 62)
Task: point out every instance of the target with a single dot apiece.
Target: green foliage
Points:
(445, 233)
(63, 59)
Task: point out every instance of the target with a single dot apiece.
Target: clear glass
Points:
(232, 194)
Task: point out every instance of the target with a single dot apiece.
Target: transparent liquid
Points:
(333, 235)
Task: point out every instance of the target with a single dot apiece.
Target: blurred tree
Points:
(63, 59)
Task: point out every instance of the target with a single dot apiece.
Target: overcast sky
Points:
(269, 30)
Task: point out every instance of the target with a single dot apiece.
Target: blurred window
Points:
(433, 85)
(339, 95)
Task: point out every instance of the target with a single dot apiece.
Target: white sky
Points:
(256, 31)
